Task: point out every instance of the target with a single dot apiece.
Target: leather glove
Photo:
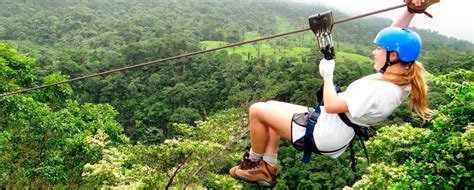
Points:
(328, 52)
(326, 68)
(420, 6)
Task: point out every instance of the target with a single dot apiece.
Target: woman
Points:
(366, 101)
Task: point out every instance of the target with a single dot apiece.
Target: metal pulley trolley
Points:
(321, 24)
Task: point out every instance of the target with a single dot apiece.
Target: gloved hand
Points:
(326, 68)
(328, 52)
(419, 6)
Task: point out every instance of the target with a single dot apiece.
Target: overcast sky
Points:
(453, 18)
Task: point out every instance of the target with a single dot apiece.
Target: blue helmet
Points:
(402, 40)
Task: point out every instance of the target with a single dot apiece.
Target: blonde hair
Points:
(419, 89)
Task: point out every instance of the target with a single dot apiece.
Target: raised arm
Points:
(403, 21)
(416, 6)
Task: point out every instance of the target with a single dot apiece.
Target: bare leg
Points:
(269, 121)
(274, 140)
(287, 106)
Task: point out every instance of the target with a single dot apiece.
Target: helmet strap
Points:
(388, 62)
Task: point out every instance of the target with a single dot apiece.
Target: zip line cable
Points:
(192, 53)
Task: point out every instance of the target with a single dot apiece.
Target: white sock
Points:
(270, 158)
(254, 156)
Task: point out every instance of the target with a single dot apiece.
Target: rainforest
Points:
(182, 124)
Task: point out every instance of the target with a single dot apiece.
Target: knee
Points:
(273, 102)
(256, 109)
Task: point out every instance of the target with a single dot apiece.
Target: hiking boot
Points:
(243, 164)
(259, 172)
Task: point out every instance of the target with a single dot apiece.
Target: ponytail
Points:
(419, 89)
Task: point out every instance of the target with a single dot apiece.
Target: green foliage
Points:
(260, 50)
(43, 136)
(443, 60)
(15, 70)
(47, 147)
(216, 181)
(460, 110)
(384, 176)
(403, 142)
(55, 95)
(188, 160)
(321, 172)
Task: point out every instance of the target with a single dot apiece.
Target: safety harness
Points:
(321, 24)
(309, 138)
(361, 133)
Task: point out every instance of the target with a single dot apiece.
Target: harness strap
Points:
(361, 140)
(309, 138)
(308, 134)
(357, 128)
(362, 136)
(353, 160)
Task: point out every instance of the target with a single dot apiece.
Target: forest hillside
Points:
(183, 123)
